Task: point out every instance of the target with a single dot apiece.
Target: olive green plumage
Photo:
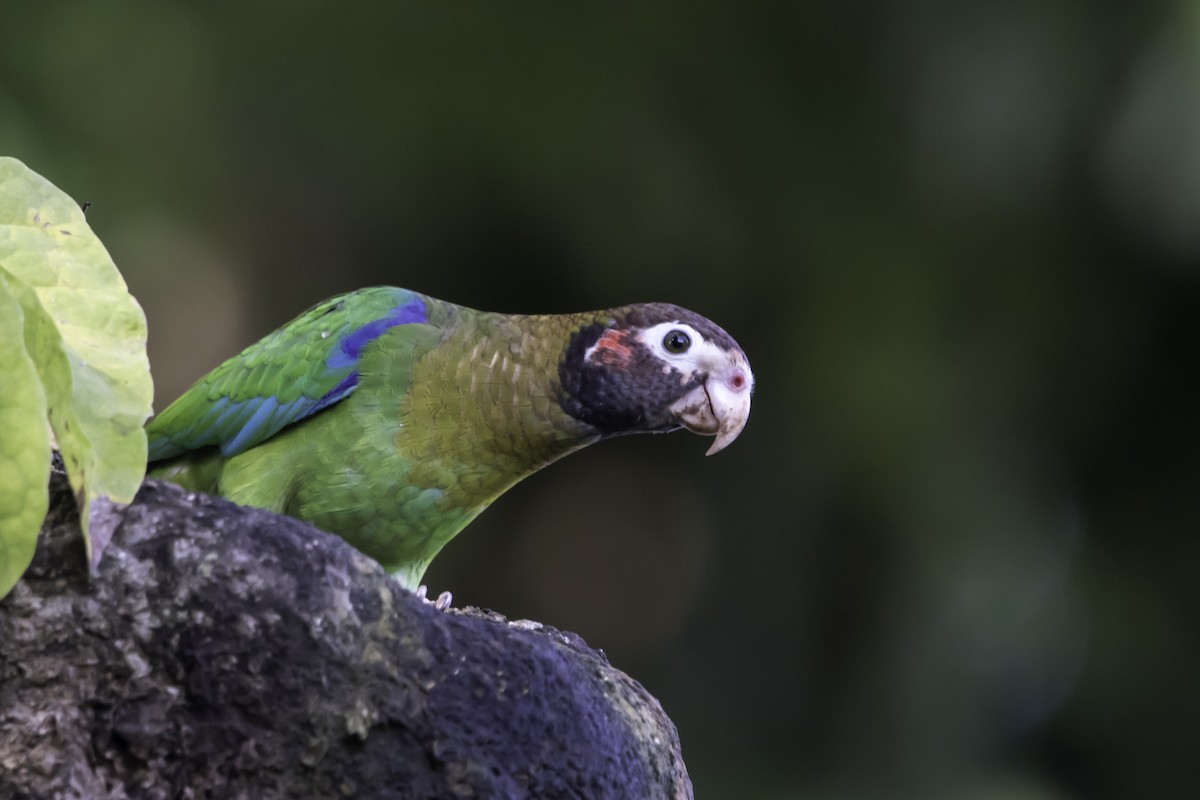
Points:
(393, 419)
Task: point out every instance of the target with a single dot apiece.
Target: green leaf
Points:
(87, 337)
(24, 446)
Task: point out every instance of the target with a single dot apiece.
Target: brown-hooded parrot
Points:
(392, 419)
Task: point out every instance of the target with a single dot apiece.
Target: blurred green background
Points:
(953, 553)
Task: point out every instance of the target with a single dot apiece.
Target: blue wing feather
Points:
(230, 408)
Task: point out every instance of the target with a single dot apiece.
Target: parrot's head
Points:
(654, 368)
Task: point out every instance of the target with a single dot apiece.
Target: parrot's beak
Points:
(720, 406)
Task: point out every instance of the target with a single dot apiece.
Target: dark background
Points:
(953, 553)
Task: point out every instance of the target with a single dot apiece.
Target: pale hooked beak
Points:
(720, 406)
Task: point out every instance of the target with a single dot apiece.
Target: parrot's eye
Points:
(677, 342)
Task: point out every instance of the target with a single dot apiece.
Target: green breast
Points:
(398, 474)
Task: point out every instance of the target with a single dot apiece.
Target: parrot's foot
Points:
(443, 600)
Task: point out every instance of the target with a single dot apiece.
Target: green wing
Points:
(305, 366)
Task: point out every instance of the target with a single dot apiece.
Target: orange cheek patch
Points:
(612, 350)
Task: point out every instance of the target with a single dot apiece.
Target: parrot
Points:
(393, 419)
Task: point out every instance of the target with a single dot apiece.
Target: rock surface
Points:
(225, 652)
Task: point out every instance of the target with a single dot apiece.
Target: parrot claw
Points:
(443, 600)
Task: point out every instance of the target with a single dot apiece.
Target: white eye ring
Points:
(655, 338)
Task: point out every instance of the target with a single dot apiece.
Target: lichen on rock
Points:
(222, 651)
